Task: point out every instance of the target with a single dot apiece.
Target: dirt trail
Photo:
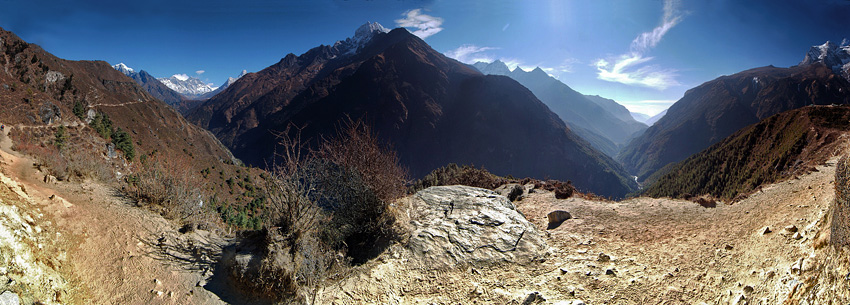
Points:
(112, 250)
(656, 251)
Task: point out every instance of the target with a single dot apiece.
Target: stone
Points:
(603, 257)
(9, 298)
(110, 151)
(557, 217)
(512, 191)
(790, 228)
(50, 179)
(740, 299)
(796, 267)
(533, 298)
(797, 236)
(457, 225)
(49, 113)
(765, 230)
(610, 272)
(748, 289)
(90, 115)
(728, 247)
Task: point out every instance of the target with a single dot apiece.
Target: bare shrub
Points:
(71, 162)
(356, 147)
(326, 209)
(453, 174)
(170, 186)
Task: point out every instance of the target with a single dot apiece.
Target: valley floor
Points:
(91, 246)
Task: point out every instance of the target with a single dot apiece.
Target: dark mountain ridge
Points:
(433, 110)
(598, 120)
(716, 109)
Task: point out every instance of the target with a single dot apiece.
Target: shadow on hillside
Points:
(199, 252)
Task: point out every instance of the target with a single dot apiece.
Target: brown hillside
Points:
(779, 147)
(39, 93)
(718, 108)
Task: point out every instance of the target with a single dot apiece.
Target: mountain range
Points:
(151, 85)
(607, 125)
(716, 109)
(188, 86)
(432, 109)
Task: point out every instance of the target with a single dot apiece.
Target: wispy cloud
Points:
(470, 54)
(425, 25)
(632, 68)
(507, 25)
(199, 72)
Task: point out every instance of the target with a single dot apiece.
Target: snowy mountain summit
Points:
(187, 85)
(361, 37)
(834, 56)
(121, 67)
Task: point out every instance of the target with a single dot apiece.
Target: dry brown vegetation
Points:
(326, 210)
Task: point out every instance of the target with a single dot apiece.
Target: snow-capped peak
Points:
(121, 67)
(368, 30)
(832, 55)
(186, 85)
(362, 35)
(497, 67)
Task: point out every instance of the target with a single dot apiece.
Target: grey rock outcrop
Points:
(49, 113)
(456, 225)
(9, 298)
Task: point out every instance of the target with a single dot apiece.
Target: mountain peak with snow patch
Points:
(361, 37)
(121, 67)
(188, 86)
(497, 67)
(834, 56)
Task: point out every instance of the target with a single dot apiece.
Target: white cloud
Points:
(628, 70)
(425, 25)
(470, 54)
(631, 68)
(199, 72)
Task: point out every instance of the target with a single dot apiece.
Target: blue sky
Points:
(644, 54)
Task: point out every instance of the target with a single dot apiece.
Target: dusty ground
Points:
(111, 252)
(94, 247)
(661, 252)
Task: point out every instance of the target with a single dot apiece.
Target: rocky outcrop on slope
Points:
(458, 225)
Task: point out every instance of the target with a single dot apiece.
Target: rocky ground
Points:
(81, 243)
(767, 249)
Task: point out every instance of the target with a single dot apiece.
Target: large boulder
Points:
(458, 225)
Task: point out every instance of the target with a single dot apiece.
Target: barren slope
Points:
(662, 252)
